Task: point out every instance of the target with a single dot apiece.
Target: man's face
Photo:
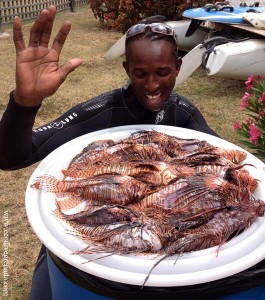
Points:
(152, 69)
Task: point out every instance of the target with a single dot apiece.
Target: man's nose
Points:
(151, 83)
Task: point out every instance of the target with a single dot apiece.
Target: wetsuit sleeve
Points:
(21, 146)
(16, 134)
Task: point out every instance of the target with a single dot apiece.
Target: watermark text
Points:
(5, 255)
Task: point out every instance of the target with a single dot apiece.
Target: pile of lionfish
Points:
(155, 193)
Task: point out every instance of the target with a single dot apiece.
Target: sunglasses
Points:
(160, 28)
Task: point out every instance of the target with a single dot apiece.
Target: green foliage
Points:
(121, 14)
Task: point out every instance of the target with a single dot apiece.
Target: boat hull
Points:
(187, 43)
(237, 60)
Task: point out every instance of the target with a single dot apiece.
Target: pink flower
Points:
(261, 112)
(244, 101)
(254, 134)
(249, 82)
(248, 122)
(262, 98)
(237, 125)
(253, 101)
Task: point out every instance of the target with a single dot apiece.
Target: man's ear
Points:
(178, 64)
(126, 66)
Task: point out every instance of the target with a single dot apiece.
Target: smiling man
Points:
(152, 64)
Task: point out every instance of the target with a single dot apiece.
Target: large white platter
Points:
(240, 253)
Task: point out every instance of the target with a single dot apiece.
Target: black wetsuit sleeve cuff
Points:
(19, 113)
(16, 134)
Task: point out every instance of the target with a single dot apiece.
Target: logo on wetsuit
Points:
(57, 124)
(160, 116)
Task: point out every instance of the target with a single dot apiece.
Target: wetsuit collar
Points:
(135, 107)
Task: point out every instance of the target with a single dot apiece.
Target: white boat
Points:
(237, 60)
(238, 50)
(187, 43)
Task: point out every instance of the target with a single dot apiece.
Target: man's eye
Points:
(163, 73)
(139, 74)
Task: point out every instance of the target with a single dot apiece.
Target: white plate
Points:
(240, 253)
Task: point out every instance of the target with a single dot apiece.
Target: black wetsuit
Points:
(19, 147)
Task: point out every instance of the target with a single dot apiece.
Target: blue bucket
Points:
(64, 289)
(257, 293)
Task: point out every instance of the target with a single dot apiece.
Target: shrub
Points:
(121, 14)
(252, 130)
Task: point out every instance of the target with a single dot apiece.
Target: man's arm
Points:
(38, 76)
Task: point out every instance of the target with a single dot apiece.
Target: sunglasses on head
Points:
(160, 28)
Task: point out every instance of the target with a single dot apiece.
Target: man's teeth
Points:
(153, 97)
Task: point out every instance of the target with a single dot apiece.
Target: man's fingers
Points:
(45, 37)
(37, 28)
(69, 67)
(61, 37)
(17, 35)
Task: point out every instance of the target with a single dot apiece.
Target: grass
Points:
(217, 98)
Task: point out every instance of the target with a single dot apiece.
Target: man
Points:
(152, 64)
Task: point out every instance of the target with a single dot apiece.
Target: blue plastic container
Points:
(257, 293)
(64, 289)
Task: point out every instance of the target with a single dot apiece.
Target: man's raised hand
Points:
(38, 74)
